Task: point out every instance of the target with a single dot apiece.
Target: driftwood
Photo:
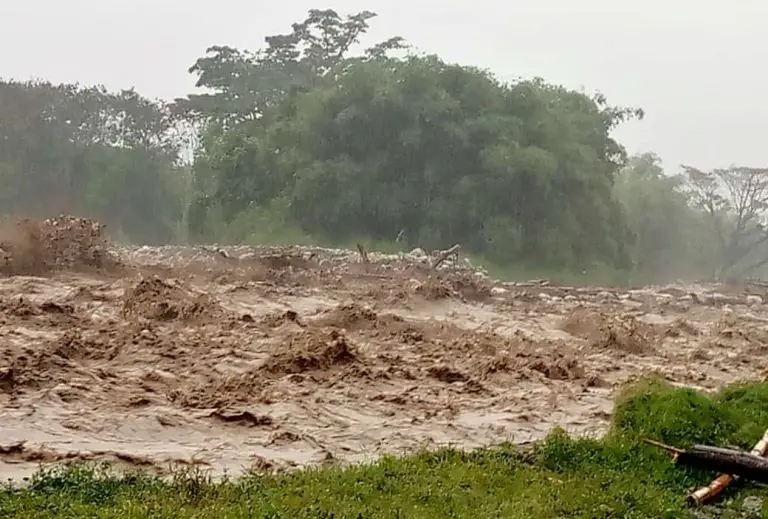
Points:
(727, 461)
(363, 254)
(216, 250)
(445, 255)
(721, 482)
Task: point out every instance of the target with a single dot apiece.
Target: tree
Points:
(72, 149)
(245, 85)
(734, 201)
(249, 89)
(444, 151)
(380, 146)
(663, 231)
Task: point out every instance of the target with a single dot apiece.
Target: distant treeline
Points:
(303, 140)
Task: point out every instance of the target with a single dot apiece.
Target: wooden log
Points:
(721, 482)
(715, 488)
(440, 259)
(727, 461)
(218, 251)
(363, 253)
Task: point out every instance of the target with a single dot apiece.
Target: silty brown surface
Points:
(254, 359)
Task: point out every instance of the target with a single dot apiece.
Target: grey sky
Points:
(698, 68)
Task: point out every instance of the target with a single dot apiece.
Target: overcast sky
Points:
(698, 67)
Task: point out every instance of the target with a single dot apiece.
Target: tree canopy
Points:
(409, 146)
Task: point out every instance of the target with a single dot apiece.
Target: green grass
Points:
(616, 476)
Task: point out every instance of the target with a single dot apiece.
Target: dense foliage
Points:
(304, 138)
(412, 147)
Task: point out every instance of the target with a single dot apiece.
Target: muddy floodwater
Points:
(277, 358)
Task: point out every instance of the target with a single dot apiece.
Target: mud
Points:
(243, 359)
(61, 243)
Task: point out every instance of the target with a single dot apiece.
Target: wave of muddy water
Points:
(263, 362)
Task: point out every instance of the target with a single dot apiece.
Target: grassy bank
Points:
(562, 477)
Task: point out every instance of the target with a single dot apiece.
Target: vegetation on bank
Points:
(616, 476)
(311, 139)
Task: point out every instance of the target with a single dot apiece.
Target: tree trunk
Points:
(727, 461)
(722, 481)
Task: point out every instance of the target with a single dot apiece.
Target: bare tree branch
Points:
(735, 200)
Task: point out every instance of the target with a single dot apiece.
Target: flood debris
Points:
(732, 465)
(318, 341)
(721, 482)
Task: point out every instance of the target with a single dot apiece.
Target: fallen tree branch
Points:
(674, 450)
(445, 255)
(217, 251)
(721, 482)
(727, 461)
(363, 253)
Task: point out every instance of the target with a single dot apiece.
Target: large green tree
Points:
(245, 86)
(380, 146)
